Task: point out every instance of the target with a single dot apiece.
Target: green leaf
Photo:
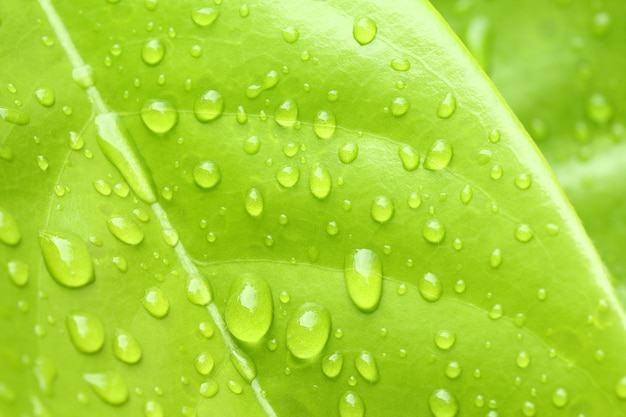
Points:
(559, 65)
(268, 209)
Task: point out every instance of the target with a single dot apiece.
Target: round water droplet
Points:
(496, 172)
(443, 404)
(453, 370)
(496, 312)
(204, 16)
(209, 389)
(160, 116)
(600, 23)
(308, 330)
(599, 109)
(156, 303)
(620, 388)
(433, 231)
(290, 34)
(251, 145)
(126, 230)
(209, 106)
(324, 124)
(286, 114)
(198, 290)
(410, 157)
(363, 275)
(524, 233)
(445, 339)
(204, 363)
(447, 106)
(288, 176)
(206, 174)
(523, 181)
(523, 359)
(351, 405)
(18, 272)
(529, 409)
(153, 51)
(414, 200)
(109, 386)
(67, 259)
(152, 409)
(560, 398)
(319, 181)
(332, 365)
(494, 136)
(249, 309)
(382, 209)
(45, 97)
(254, 202)
(9, 230)
(364, 30)
(400, 106)
(400, 64)
(366, 365)
(86, 331)
(430, 287)
(125, 347)
(348, 152)
(438, 156)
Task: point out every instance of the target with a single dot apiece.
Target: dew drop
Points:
(209, 389)
(308, 330)
(288, 176)
(414, 200)
(18, 272)
(496, 312)
(524, 233)
(560, 397)
(198, 290)
(42, 162)
(286, 114)
(156, 303)
(528, 409)
(152, 409)
(204, 363)
(204, 16)
(444, 339)
(160, 116)
(363, 276)
(400, 106)
(254, 202)
(366, 365)
(244, 365)
(14, 116)
(620, 388)
(67, 259)
(290, 34)
(351, 405)
(125, 230)
(382, 209)
(409, 157)
(523, 181)
(466, 194)
(494, 136)
(364, 30)
(600, 23)
(251, 145)
(153, 51)
(400, 64)
(45, 97)
(453, 370)
(332, 365)
(320, 182)
(438, 156)
(86, 331)
(125, 347)
(9, 230)
(430, 287)
(206, 174)
(433, 231)
(324, 124)
(447, 106)
(495, 260)
(523, 359)
(249, 309)
(348, 152)
(109, 386)
(443, 404)
(496, 172)
(599, 109)
(209, 106)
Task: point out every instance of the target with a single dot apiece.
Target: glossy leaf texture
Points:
(261, 209)
(559, 66)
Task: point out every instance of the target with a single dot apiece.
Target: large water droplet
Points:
(249, 309)
(433, 231)
(86, 331)
(204, 16)
(348, 152)
(445, 339)
(206, 174)
(366, 365)
(160, 116)
(382, 209)
(288, 176)
(9, 230)
(319, 181)
(67, 258)
(529, 409)
(438, 156)
(559, 397)
(209, 106)
(351, 405)
(125, 347)
(363, 275)
(308, 330)
(443, 404)
(324, 124)
(332, 364)
(153, 51)
(287, 113)
(109, 386)
(45, 97)
(430, 287)
(156, 303)
(126, 230)
(409, 156)
(364, 30)
(254, 202)
(447, 106)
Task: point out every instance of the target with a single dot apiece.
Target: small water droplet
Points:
(206, 330)
(414, 200)
(351, 405)
(198, 290)
(495, 260)
(83, 76)
(382, 209)
(204, 363)
(204, 16)
(206, 174)
(209, 389)
(433, 231)
(125, 230)
(109, 386)
(447, 106)
(308, 330)
(209, 106)
(523, 181)
(496, 312)
(288, 176)
(235, 387)
(152, 409)
(86, 331)
(494, 136)
(409, 157)
(466, 194)
(153, 51)
(160, 116)
(324, 124)
(156, 303)
(45, 97)
(42, 162)
(320, 182)
(290, 34)
(364, 30)
(400, 64)
(18, 272)
(400, 106)
(453, 370)
(445, 339)
(286, 114)
(67, 258)
(249, 309)
(348, 152)
(443, 404)
(254, 202)
(524, 233)
(251, 145)
(332, 364)
(430, 287)
(244, 10)
(599, 109)
(528, 409)
(366, 365)
(363, 276)
(125, 347)
(559, 397)
(523, 359)
(10, 233)
(438, 156)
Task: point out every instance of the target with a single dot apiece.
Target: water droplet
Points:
(399, 106)
(496, 312)
(363, 275)
(125, 347)
(198, 290)
(18, 272)
(620, 388)
(290, 34)
(235, 387)
(528, 409)
(204, 363)
(153, 51)
(430, 287)
(152, 409)
(348, 152)
(42, 162)
(494, 136)
(443, 404)
(288, 176)
(204, 16)
(438, 156)
(351, 405)
(206, 174)
(244, 365)
(9, 230)
(67, 259)
(559, 397)
(251, 145)
(308, 330)
(524, 233)
(160, 116)
(209, 106)
(599, 109)
(46, 372)
(249, 309)
(523, 181)
(14, 116)
(466, 194)
(109, 386)
(86, 331)
(156, 303)
(523, 359)
(600, 23)
(209, 389)
(382, 209)
(433, 231)
(364, 30)
(496, 258)
(414, 200)
(45, 97)
(254, 202)
(332, 364)
(319, 181)
(409, 156)
(206, 330)
(453, 370)
(366, 365)
(496, 172)
(286, 114)
(447, 106)
(324, 124)
(445, 339)
(126, 230)
(400, 64)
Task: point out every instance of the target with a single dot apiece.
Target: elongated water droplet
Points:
(447, 106)
(308, 330)
(198, 290)
(364, 30)
(126, 230)
(319, 181)
(351, 405)
(86, 331)
(466, 194)
(45, 96)
(9, 230)
(400, 106)
(46, 373)
(18, 272)
(382, 209)
(15, 116)
(156, 303)
(410, 157)
(204, 16)
(209, 389)
(206, 174)
(204, 363)
(443, 404)
(523, 359)
(366, 365)
(401, 64)
(67, 258)
(438, 156)
(109, 386)
(433, 231)
(254, 202)
(332, 364)
(153, 51)
(430, 287)
(445, 339)
(243, 364)
(209, 106)
(125, 347)
(324, 124)
(249, 309)
(363, 275)
(160, 116)
(348, 152)
(286, 114)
